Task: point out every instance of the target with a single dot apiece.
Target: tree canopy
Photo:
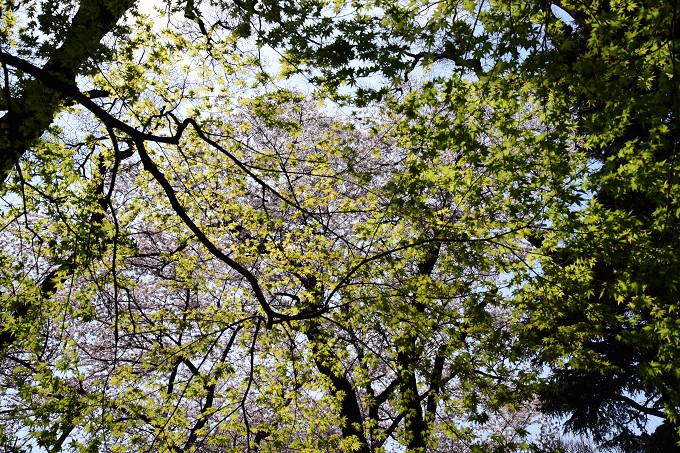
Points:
(339, 226)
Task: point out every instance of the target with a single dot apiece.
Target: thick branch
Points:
(644, 409)
(353, 424)
(37, 105)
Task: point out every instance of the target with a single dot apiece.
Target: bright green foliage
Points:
(373, 304)
(197, 259)
(605, 314)
(599, 81)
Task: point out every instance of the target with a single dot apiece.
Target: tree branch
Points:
(36, 107)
